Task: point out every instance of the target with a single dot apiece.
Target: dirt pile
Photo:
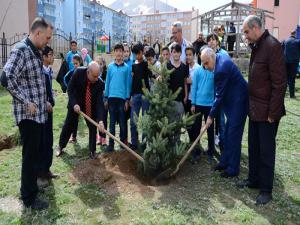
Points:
(115, 172)
(6, 142)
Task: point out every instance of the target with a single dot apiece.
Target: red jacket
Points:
(267, 79)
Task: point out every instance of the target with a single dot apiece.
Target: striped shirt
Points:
(26, 81)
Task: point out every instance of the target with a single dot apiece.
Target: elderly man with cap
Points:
(85, 90)
(231, 93)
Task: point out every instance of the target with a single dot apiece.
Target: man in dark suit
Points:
(231, 93)
(85, 92)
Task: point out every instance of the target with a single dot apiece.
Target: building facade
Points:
(158, 26)
(286, 16)
(78, 17)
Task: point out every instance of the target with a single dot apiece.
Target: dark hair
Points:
(73, 42)
(77, 58)
(213, 36)
(231, 23)
(176, 47)
(119, 46)
(165, 49)
(47, 50)
(39, 22)
(150, 52)
(137, 48)
(191, 49)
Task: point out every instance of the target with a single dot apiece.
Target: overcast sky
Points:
(202, 5)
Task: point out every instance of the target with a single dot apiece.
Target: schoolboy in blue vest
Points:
(46, 155)
(116, 95)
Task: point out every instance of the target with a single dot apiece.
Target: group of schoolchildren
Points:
(125, 77)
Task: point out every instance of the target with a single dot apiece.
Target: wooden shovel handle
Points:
(113, 137)
(190, 150)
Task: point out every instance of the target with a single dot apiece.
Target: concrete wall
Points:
(286, 16)
(17, 17)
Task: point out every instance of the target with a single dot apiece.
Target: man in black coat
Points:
(291, 48)
(198, 44)
(85, 92)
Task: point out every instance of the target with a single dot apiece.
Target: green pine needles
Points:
(163, 147)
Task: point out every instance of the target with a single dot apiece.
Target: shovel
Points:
(140, 158)
(168, 173)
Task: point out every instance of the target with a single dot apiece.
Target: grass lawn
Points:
(196, 196)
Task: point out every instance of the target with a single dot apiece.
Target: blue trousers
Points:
(117, 113)
(234, 128)
(137, 103)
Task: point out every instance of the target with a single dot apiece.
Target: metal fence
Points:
(60, 43)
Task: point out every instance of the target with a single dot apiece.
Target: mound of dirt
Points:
(6, 142)
(115, 172)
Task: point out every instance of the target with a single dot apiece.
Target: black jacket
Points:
(77, 90)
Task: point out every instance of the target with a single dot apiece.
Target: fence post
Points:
(109, 43)
(70, 39)
(4, 49)
(93, 45)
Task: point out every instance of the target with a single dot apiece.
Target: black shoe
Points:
(195, 159)
(51, 175)
(38, 204)
(226, 175)
(219, 168)
(210, 159)
(93, 155)
(109, 149)
(263, 198)
(133, 147)
(247, 183)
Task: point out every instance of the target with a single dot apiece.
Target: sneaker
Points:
(38, 204)
(217, 140)
(72, 139)
(59, 151)
(210, 159)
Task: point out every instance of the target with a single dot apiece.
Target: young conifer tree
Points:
(162, 149)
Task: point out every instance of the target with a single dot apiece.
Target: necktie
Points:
(88, 108)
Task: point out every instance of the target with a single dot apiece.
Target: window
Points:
(276, 2)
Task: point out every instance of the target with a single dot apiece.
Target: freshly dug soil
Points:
(115, 172)
(6, 142)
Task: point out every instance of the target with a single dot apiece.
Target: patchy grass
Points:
(196, 196)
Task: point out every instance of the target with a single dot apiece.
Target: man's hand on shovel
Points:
(209, 122)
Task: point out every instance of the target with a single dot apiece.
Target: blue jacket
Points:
(291, 48)
(231, 90)
(117, 84)
(69, 59)
(202, 87)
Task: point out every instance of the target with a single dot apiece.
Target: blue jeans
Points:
(117, 113)
(137, 103)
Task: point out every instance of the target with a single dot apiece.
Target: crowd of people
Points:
(209, 81)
